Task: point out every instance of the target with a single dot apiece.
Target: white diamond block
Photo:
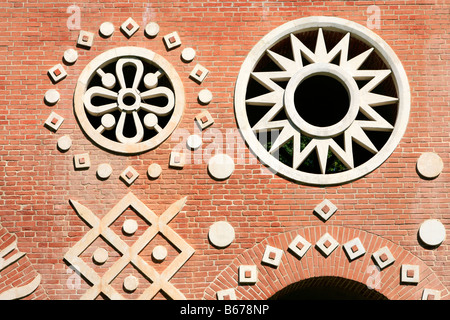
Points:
(129, 27)
(54, 121)
(272, 256)
(57, 73)
(410, 274)
(177, 160)
(325, 209)
(327, 244)
(199, 73)
(228, 294)
(82, 161)
(383, 257)
(299, 246)
(172, 40)
(204, 119)
(354, 249)
(430, 294)
(129, 175)
(248, 274)
(85, 39)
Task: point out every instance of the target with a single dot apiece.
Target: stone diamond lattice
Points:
(130, 254)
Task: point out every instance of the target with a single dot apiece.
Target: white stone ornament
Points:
(70, 56)
(432, 232)
(205, 96)
(152, 29)
(172, 40)
(299, 246)
(154, 171)
(221, 166)
(64, 143)
(130, 226)
(127, 103)
(100, 256)
(101, 283)
(247, 274)
(430, 165)
(221, 234)
(338, 74)
(188, 54)
(194, 142)
(129, 27)
(104, 171)
(272, 256)
(54, 121)
(159, 253)
(106, 29)
(51, 96)
(130, 283)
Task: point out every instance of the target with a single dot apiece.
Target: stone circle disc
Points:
(430, 165)
(221, 166)
(221, 234)
(432, 232)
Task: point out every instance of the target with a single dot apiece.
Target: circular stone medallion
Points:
(322, 100)
(129, 100)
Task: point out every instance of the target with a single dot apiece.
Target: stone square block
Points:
(129, 27)
(248, 274)
(299, 246)
(129, 175)
(228, 294)
(272, 256)
(57, 73)
(172, 40)
(327, 244)
(354, 249)
(85, 39)
(54, 121)
(325, 209)
(82, 161)
(204, 119)
(177, 159)
(410, 274)
(199, 73)
(383, 257)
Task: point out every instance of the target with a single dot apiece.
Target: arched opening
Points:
(327, 288)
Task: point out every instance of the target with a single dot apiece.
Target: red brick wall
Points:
(37, 180)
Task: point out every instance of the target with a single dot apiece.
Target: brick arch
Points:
(313, 264)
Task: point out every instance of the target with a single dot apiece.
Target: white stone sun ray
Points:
(353, 64)
(283, 62)
(325, 57)
(286, 134)
(298, 48)
(376, 122)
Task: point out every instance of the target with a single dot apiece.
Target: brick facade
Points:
(386, 207)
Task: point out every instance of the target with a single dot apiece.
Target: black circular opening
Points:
(321, 100)
(129, 99)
